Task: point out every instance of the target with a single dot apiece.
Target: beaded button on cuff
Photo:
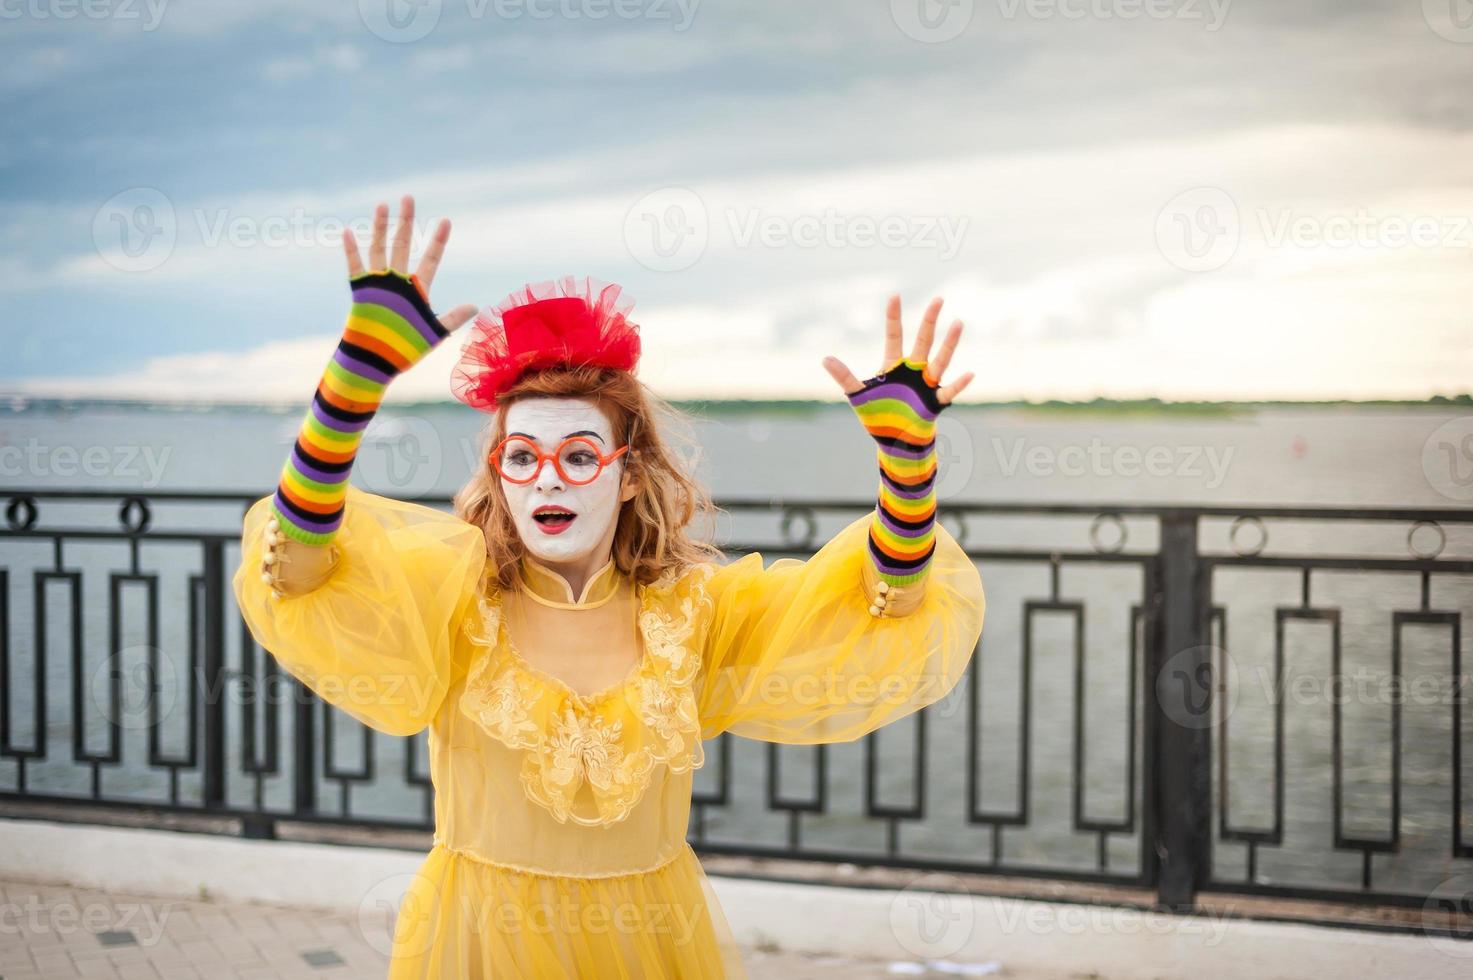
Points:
(291, 568)
(883, 594)
(273, 556)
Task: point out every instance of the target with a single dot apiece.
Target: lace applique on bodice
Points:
(611, 740)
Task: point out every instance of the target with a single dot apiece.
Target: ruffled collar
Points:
(611, 741)
(550, 589)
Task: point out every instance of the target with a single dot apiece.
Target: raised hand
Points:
(390, 328)
(898, 407)
(920, 351)
(381, 262)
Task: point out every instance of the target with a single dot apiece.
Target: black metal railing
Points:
(1132, 752)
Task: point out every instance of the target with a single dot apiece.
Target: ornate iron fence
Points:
(1124, 753)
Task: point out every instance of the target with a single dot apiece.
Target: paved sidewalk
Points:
(55, 932)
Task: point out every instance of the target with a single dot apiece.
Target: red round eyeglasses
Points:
(577, 459)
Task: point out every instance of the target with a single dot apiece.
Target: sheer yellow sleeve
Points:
(795, 655)
(375, 637)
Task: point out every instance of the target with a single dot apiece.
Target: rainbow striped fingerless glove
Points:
(898, 407)
(390, 328)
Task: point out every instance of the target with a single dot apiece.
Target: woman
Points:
(567, 643)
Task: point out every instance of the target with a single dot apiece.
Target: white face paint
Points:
(588, 539)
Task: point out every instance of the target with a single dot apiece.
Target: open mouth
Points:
(553, 520)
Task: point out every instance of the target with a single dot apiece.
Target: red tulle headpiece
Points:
(546, 324)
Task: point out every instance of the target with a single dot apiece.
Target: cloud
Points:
(1044, 153)
(614, 54)
(37, 66)
(341, 58)
(1313, 332)
(1057, 278)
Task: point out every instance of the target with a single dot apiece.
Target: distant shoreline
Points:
(18, 404)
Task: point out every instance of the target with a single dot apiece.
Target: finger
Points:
(429, 263)
(842, 375)
(403, 233)
(376, 257)
(936, 368)
(457, 317)
(350, 248)
(921, 350)
(949, 392)
(892, 332)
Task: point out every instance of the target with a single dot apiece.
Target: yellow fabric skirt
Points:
(467, 919)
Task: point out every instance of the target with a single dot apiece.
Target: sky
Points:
(1122, 198)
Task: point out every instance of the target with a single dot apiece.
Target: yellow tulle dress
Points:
(564, 731)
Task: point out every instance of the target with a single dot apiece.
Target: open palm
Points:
(379, 259)
(919, 353)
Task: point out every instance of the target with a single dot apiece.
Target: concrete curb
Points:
(918, 923)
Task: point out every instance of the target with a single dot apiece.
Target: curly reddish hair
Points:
(652, 535)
